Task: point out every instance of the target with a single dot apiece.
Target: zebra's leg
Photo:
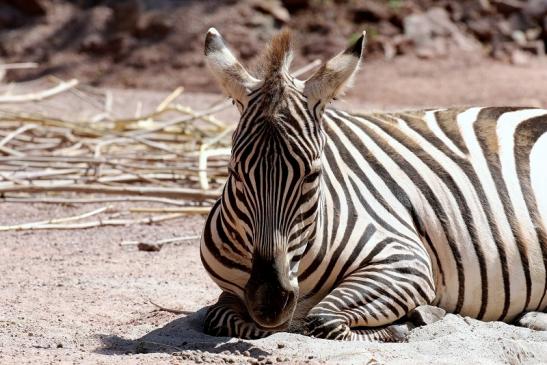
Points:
(366, 306)
(533, 320)
(229, 317)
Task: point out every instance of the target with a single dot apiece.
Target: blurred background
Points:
(114, 142)
(419, 53)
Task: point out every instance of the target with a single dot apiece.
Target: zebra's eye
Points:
(234, 173)
(312, 176)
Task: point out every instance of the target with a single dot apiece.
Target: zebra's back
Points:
(475, 181)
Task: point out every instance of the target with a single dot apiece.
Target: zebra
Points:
(339, 225)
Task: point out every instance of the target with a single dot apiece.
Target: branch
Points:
(39, 95)
(180, 193)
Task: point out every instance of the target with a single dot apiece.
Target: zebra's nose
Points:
(270, 304)
(270, 295)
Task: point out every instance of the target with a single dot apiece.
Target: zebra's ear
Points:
(235, 81)
(335, 76)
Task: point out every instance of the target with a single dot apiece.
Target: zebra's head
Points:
(275, 170)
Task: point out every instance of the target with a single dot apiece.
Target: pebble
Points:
(246, 353)
(280, 345)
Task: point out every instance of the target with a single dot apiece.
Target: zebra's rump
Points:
(476, 182)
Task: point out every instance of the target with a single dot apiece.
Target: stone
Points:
(507, 6)
(426, 314)
(30, 7)
(533, 320)
(293, 5)
(273, 7)
(430, 32)
(535, 8)
(370, 11)
(482, 29)
(153, 25)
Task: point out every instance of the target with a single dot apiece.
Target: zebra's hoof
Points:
(533, 320)
(425, 314)
(399, 332)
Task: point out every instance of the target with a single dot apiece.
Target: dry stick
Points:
(14, 199)
(16, 132)
(93, 224)
(202, 164)
(11, 151)
(39, 161)
(139, 176)
(310, 66)
(30, 175)
(54, 221)
(169, 99)
(188, 210)
(181, 193)
(40, 95)
(8, 116)
(175, 121)
(79, 94)
(170, 310)
(18, 65)
(161, 242)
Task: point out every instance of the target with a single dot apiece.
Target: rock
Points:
(388, 29)
(9, 17)
(426, 314)
(154, 25)
(293, 5)
(482, 29)
(507, 6)
(125, 16)
(149, 247)
(30, 7)
(273, 7)
(370, 11)
(519, 37)
(519, 57)
(431, 30)
(535, 8)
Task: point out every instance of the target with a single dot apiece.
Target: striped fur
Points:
(362, 218)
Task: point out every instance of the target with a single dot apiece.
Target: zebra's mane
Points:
(277, 56)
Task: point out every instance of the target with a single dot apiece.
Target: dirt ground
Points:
(80, 297)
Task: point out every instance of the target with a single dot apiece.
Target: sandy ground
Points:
(80, 297)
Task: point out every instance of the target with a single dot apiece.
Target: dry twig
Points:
(170, 310)
(39, 95)
(171, 155)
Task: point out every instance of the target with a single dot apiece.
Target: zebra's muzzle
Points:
(270, 297)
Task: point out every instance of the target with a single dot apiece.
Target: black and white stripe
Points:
(374, 215)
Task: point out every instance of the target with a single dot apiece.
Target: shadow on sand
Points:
(181, 334)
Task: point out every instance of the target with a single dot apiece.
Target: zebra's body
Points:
(393, 211)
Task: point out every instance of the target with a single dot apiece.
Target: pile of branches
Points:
(174, 155)
(151, 155)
